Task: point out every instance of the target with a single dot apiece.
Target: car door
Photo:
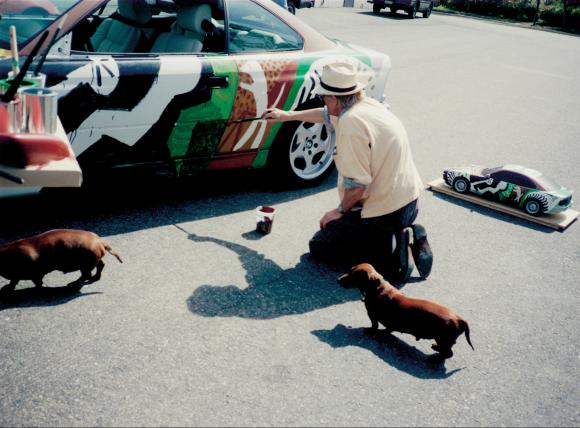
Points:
(152, 108)
(515, 186)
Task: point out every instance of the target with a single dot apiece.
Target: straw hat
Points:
(339, 78)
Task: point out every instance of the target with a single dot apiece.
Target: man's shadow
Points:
(42, 296)
(388, 348)
(272, 291)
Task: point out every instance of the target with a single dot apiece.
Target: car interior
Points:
(183, 26)
(145, 26)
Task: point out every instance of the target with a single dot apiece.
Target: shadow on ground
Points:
(43, 296)
(127, 202)
(388, 348)
(272, 291)
(480, 209)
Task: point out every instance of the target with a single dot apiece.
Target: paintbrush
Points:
(11, 177)
(249, 119)
(45, 53)
(9, 95)
(14, 49)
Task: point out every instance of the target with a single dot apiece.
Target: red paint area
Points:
(241, 160)
(280, 77)
(22, 150)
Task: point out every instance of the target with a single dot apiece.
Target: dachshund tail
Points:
(465, 328)
(111, 252)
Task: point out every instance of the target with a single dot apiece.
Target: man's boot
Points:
(421, 251)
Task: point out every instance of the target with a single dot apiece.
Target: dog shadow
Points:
(42, 296)
(388, 348)
(272, 292)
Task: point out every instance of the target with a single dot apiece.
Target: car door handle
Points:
(218, 82)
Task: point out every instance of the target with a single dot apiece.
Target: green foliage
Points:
(520, 11)
(551, 14)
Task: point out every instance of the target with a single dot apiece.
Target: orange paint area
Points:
(280, 76)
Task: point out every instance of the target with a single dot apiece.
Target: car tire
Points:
(292, 9)
(427, 13)
(412, 11)
(376, 9)
(302, 153)
(534, 205)
(461, 185)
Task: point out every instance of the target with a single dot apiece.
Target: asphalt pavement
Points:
(207, 323)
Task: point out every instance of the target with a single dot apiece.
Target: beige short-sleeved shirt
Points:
(372, 148)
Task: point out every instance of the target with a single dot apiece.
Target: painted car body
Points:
(514, 185)
(184, 111)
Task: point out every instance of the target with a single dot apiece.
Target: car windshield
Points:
(29, 17)
(489, 171)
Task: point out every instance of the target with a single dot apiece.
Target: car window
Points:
(29, 18)
(514, 178)
(254, 29)
(155, 26)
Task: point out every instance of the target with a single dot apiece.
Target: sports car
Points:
(514, 185)
(178, 86)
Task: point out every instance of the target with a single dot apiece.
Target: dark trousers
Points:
(351, 239)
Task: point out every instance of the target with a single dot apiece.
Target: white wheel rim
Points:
(460, 186)
(311, 151)
(533, 207)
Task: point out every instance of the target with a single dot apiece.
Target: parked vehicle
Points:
(299, 4)
(180, 92)
(513, 185)
(411, 7)
(284, 4)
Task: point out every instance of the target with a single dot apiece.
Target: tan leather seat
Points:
(114, 35)
(188, 33)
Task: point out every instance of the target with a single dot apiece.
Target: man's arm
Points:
(314, 115)
(351, 197)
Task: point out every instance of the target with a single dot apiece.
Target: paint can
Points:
(11, 117)
(39, 79)
(40, 110)
(26, 83)
(264, 218)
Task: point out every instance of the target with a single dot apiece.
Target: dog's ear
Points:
(374, 279)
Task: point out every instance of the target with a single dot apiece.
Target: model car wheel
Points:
(427, 13)
(376, 9)
(534, 206)
(461, 185)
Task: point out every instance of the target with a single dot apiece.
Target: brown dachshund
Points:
(421, 318)
(65, 250)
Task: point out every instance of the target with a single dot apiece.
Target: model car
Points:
(514, 185)
(177, 85)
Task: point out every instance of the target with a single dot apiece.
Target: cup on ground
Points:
(264, 218)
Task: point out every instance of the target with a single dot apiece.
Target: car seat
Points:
(188, 31)
(122, 31)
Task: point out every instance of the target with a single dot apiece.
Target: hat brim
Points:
(319, 90)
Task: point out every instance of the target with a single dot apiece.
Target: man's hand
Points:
(276, 115)
(328, 217)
